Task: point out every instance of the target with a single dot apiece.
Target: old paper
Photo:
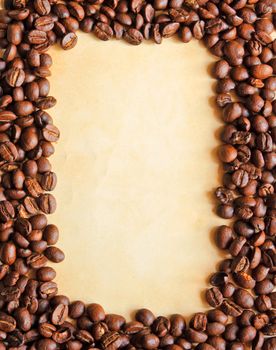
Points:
(136, 166)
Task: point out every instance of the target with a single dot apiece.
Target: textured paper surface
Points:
(136, 166)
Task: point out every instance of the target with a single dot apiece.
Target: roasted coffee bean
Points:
(8, 253)
(178, 325)
(33, 187)
(234, 52)
(23, 319)
(46, 274)
(243, 298)
(133, 327)
(199, 321)
(214, 297)
(224, 195)
(115, 322)
(95, 312)
(216, 315)
(150, 341)
(8, 151)
(59, 314)
(76, 309)
(37, 37)
(50, 133)
(219, 279)
(15, 77)
(7, 323)
(133, 36)
(44, 23)
(244, 280)
(227, 153)
(224, 237)
(42, 7)
(103, 31)
(45, 102)
(145, 316)
(195, 336)
(23, 108)
(111, 340)
(47, 344)
(161, 326)
(69, 41)
(47, 203)
(231, 309)
(54, 254)
(247, 334)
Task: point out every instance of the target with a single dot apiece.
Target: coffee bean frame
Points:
(242, 293)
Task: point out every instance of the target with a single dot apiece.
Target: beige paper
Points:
(136, 166)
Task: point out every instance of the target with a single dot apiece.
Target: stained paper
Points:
(137, 167)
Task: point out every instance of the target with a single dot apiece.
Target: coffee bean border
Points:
(242, 296)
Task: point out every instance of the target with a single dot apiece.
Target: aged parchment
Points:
(136, 166)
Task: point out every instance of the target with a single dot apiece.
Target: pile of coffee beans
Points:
(242, 292)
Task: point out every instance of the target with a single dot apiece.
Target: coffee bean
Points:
(264, 287)
(170, 29)
(14, 33)
(8, 151)
(59, 314)
(133, 36)
(15, 77)
(215, 329)
(221, 69)
(199, 321)
(186, 34)
(47, 203)
(33, 187)
(23, 108)
(231, 309)
(50, 133)
(46, 274)
(243, 298)
(8, 253)
(133, 327)
(240, 264)
(7, 323)
(76, 309)
(214, 297)
(103, 31)
(23, 319)
(261, 71)
(195, 336)
(47, 344)
(247, 334)
(234, 52)
(178, 325)
(69, 41)
(227, 153)
(216, 315)
(54, 254)
(224, 236)
(145, 316)
(95, 312)
(47, 330)
(42, 7)
(37, 37)
(244, 280)
(111, 340)
(161, 326)
(150, 341)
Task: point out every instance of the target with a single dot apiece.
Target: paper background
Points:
(136, 166)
